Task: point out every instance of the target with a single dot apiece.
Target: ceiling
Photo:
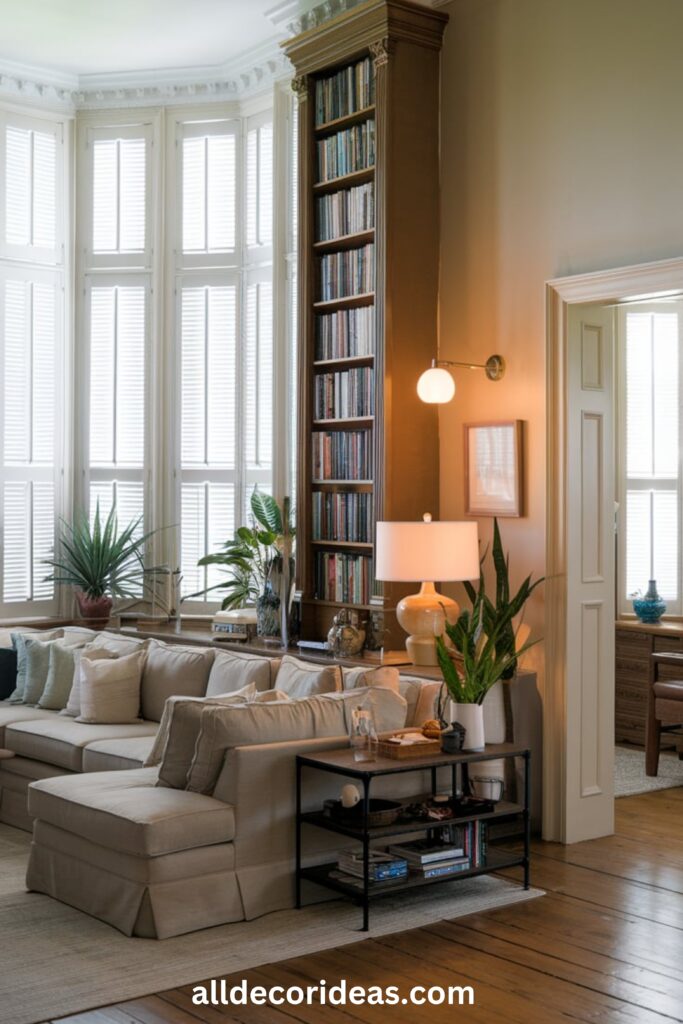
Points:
(100, 37)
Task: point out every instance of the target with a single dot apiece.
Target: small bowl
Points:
(381, 812)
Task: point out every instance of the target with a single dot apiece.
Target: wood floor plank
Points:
(604, 946)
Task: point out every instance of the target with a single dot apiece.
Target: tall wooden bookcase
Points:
(398, 44)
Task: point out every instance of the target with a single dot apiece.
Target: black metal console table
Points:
(342, 763)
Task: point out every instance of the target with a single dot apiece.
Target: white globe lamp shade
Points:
(436, 386)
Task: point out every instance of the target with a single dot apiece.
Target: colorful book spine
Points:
(345, 92)
(342, 577)
(342, 455)
(342, 517)
(345, 333)
(346, 152)
(344, 395)
(351, 272)
(346, 212)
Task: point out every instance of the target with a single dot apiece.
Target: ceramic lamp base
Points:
(423, 616)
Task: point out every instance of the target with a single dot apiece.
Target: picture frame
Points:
(494, 469)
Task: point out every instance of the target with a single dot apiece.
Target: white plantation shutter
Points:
(193, 536)
(209, 164)
(259, 185)
(30, 189)
(258, 385)
(651, 485)
(119, 183)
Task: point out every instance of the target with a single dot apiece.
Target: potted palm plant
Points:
(103, 563)
(486, 645)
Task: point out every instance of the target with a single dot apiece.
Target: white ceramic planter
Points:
(471, 716)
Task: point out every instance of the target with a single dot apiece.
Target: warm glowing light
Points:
(436, 386)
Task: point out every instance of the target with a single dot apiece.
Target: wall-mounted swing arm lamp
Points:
(436, 386)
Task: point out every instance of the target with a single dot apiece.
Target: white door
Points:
(589, 768)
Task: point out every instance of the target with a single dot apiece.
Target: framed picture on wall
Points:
(493, 469)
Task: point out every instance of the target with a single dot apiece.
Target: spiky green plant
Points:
(102, 560)
(248, 558)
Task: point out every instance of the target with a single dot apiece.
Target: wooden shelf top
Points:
(343, 543)
(338, 604)
(669, 627)
(328, 127)
(345, 302)
(344, 242)
(343, 423)
(345, 362)
(346, 483)
(345, 180)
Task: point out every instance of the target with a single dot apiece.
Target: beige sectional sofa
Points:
(111, 840)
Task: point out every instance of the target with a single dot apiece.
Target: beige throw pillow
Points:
(73, 704)
(222, 728)
(233, 669)
(384, 675)
(389, 709)
(303, 679)
(172, 670)
(427, 703)
(110, 690)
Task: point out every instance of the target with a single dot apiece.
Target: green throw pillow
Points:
(60, 677)
(37, 666)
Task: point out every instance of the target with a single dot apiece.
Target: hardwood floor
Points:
(605, 945)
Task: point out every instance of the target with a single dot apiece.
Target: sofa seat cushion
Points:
(117, 755)
(125, 811)
(11, 713)
(61, 741)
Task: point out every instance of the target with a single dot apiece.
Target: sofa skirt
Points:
(154, 898)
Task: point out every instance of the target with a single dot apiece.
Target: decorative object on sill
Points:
(437, 387)
(426, 551)
(487, 787)
(363, 734)
(375, 631)
(453, 739)
(346, 637)
(494, 469)
(649, 607)
(104, 564)
(238, 625)
(259, 562)
(350, 795)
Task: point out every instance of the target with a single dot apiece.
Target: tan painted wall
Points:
(562, 153)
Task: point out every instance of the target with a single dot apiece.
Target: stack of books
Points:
(344, 395)
(347, 273)
(432, 859)
(346, 152)
(346, 333)
(342, 516)
(383, 867)
(346, 212)
(349, 90)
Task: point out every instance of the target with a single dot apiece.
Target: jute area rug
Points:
(629, 772)
(58, 961)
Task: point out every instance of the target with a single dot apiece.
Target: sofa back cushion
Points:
(91, 653)
(179, 730)
(173, 671)
(389, 709)
(303, 679)
(222, 728)
(76, 636)
(360, 678)
(231, 670)
(117, 643)
(110, 690)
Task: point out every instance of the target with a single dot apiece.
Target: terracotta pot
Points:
(94, 610)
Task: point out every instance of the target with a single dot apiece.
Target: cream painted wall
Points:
(562, 153)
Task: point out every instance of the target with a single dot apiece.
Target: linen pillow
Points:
(173, 671)
(427, 703)
(183, 730)
(60, 676)
(73, 704)
(360, 678)
(222, 728)
(233, 669)
(76, 636)
(110, 690)
(410, 687)
(269, 696)
(303, 679)
(389, 709)
(37, 667)
(118, 644)
(156, 754)
(19, 638)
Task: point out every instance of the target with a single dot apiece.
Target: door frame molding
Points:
(642, 281)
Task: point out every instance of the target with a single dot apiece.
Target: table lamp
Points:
(426, 552)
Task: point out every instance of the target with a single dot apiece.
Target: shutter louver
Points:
(102, 374)
(43, 508)
(119, 195)
(209, 167)
(16, 375)
(44, 191)
(193, 535)
(44, 370)
(18, 186)
(221, 525)
(16, 540)
(258, 390)
(31, 188)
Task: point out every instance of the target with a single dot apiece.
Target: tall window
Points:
(116, 317)
(31, 331)
(225, 331)
(650, 485)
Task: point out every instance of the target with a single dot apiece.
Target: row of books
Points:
(346, 212)
(345, 334)
(349, 90)
(345, 394)
(345, 152)
(343, 577)
(340, 516)
(342, 455)
(347, 273)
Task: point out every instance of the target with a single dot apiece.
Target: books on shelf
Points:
(382, 866)
(344, 395)
(344, 517)
(426, 851)
(349, 90)
(344, 578)
(346, 212)
(351, 272)
(347, 151)
(345, 333)
(464, 850)
(342, 455)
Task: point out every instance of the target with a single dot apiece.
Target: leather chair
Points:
(664, 708)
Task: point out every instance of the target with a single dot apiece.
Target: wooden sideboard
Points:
(634, 643)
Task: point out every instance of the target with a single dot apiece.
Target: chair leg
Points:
(652, 738)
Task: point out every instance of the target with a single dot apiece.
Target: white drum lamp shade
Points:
(426, 552)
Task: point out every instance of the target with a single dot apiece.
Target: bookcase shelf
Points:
(370, 77)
